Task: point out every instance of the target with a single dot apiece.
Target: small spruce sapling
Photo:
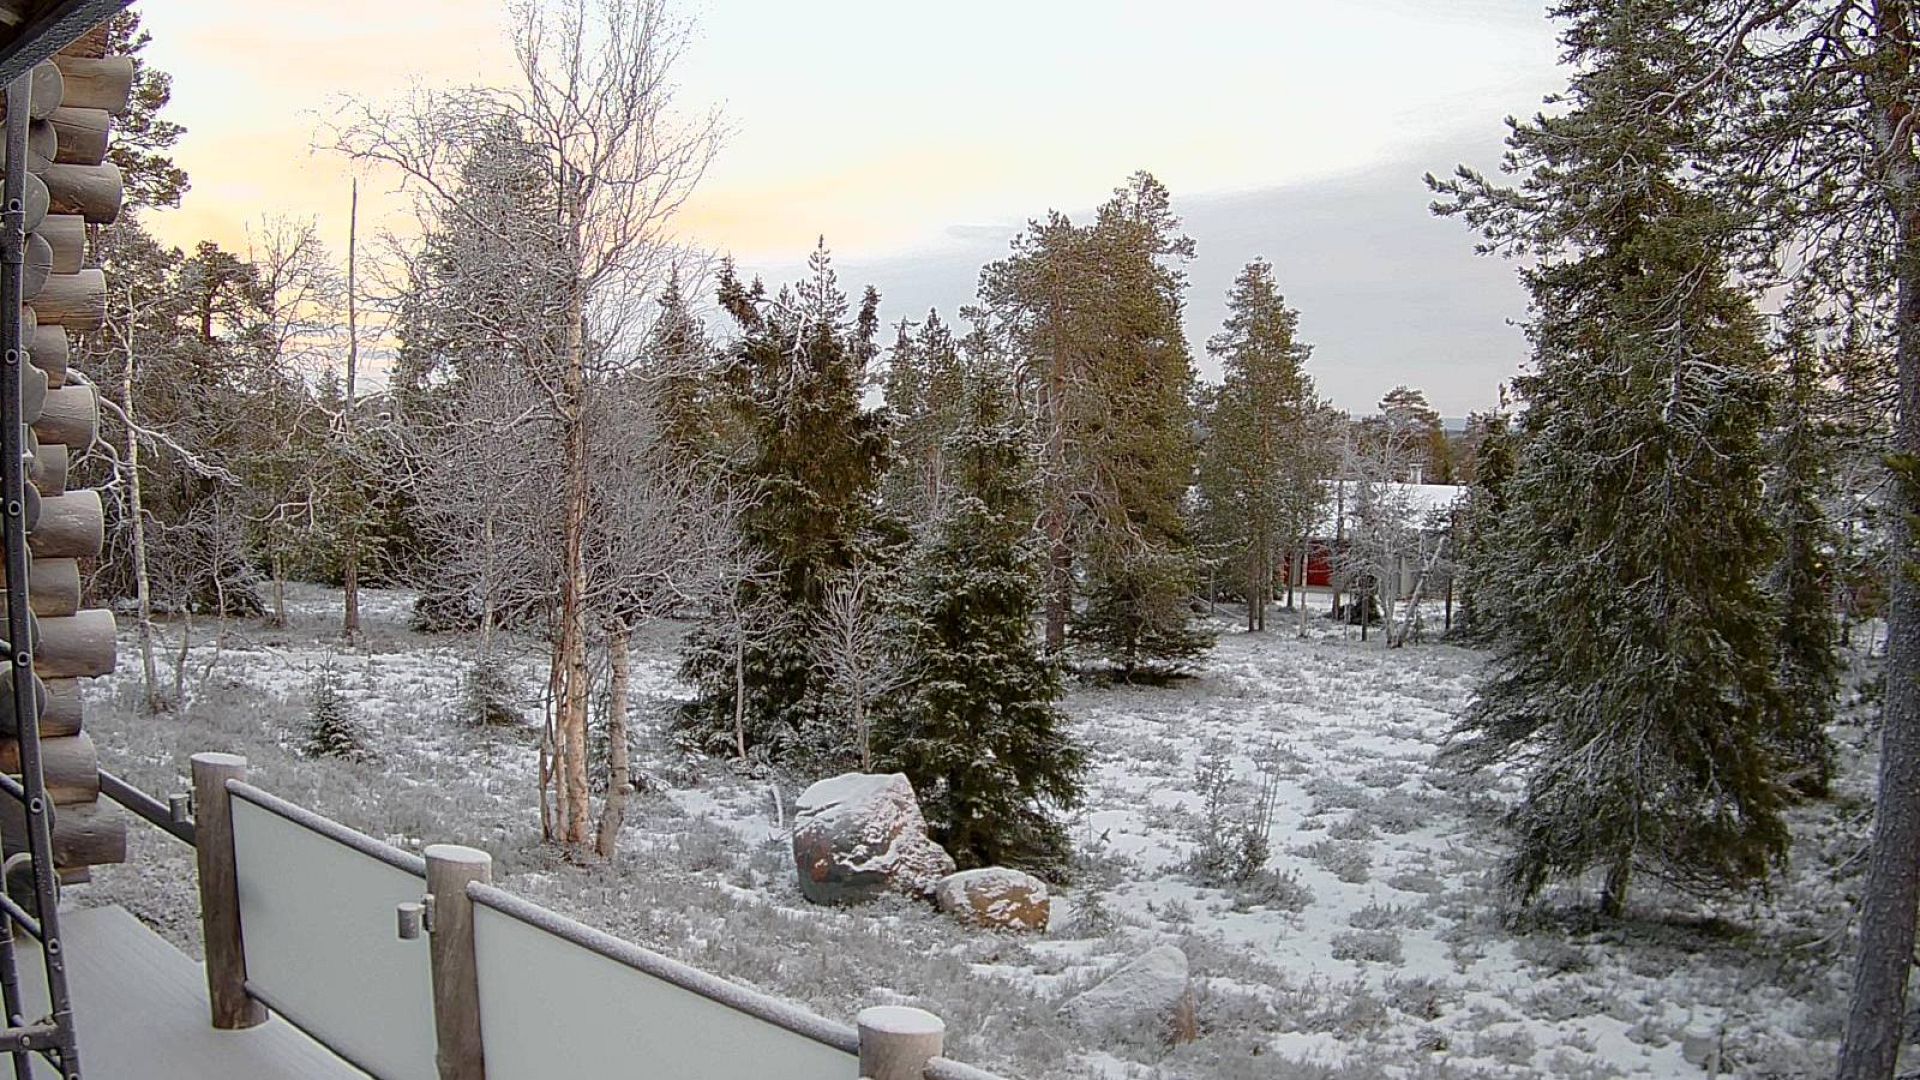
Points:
(333, 728)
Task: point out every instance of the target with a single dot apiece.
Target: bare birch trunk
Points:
(350, 571)
(1303, 588)
(136, 512)
(180, 660)
(486, 586)
(740, 691)
(613, 814)
(279, 617)
(570, 652)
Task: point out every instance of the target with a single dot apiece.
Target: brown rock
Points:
(995, 898)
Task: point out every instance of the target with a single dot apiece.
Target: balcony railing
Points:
(415, 968)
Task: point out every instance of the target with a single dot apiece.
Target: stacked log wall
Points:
(70, 185)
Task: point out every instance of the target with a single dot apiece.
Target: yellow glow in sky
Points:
(877, 124)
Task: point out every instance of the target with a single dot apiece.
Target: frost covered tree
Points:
(855, 647)
(1089, 316)
(1805, 631)
(591, 133)
(809, 473)
(1477, 563)
(1812, 102)
(978, 730)
(924, 403)
(333, 728)
(1633, 682)
(1262, 465)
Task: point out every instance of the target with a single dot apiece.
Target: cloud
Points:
(1387, 293)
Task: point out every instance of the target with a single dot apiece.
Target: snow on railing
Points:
(323, 925)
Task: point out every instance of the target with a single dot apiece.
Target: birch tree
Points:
(604, 149)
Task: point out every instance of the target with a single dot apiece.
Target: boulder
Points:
(1151, 992)
(995, 898)
(858, 836)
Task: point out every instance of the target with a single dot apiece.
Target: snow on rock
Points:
(1150, 991)
(858, 835)
(995, 898)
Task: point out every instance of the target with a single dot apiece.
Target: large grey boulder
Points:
(1151, 992)
(995, 898)
(858, 836)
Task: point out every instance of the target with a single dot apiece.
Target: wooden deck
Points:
(141, 1009)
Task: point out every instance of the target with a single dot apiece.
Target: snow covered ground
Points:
(1377, 945)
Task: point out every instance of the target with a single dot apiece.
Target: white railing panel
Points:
(317, 920)
(553, 1007)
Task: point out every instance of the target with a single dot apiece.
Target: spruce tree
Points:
(1633, 683)
(1479, 572)
(679, 362)
(924, 401)
(811, 466)
(979, 731)
(1809, 668)
(1260, 467)
(333, 729)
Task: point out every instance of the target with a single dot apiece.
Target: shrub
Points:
(333, 729)
(486, 696)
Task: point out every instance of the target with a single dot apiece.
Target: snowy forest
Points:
(1219, 731)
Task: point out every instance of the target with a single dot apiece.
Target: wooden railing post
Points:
(896, 1042)
(456, 978)
(220, 892)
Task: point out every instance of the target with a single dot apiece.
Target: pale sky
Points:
(918, 137)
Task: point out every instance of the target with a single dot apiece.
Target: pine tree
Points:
(1089, 316)
(1809, 668)
(1142, 568)
(979, 732)
(333, 729)
(141, 139)
(792, 384)
(1261, 467)
(1634, 677)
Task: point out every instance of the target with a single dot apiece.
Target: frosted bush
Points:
(1347, 860)
(1371, 946)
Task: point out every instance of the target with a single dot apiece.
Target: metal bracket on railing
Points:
(410, 916)
(426, 905)
(180, 808)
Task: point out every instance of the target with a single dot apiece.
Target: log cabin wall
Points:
(71, 185)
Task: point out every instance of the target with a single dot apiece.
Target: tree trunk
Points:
(486, 586)
(740, 690)
(1303, 587)
(570, 652)
(1059, 551)
(1613, 895)
(279, 571)
(136, 513)
(180, 659)
(350, 557)
(619, 775)
(1870, 1048)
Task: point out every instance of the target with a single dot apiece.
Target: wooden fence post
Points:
(896, 1042)
(220, 892)
(456, 981)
